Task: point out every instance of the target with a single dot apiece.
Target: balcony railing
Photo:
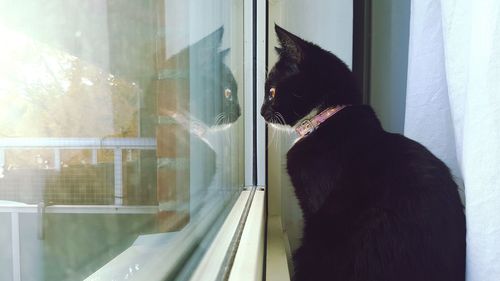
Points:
(93, 144)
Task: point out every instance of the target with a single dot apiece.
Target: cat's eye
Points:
(228, 94)
(272, 93)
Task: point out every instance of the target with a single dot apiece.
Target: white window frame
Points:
(238, 249)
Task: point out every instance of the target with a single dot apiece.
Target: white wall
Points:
(389, 61)
(327, 23)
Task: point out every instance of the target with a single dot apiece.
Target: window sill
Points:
(278, 253)
(155, 261)
(249, 258)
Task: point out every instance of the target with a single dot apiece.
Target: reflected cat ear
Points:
(206, 50)
(215, 37)
(208, 46)
(224, 53)
(292, 46)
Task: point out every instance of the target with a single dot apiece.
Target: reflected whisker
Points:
(217, 117)
(222, 115)
(220, 119)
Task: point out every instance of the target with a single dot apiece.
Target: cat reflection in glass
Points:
(209, 98)
(200, 93)
(377, 206)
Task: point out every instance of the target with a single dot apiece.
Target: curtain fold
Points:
(453, 108)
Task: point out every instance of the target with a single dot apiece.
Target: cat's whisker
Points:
(278, 119)
(217, 117)
(281, 118)
(220, 119)
(277, 123)
(281, 121)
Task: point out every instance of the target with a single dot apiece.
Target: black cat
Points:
(377, 206)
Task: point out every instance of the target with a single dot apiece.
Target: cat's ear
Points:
(224, 53)
(278, 50)
(205, 52)
(208, 46)
(291, 45)
(214, 38)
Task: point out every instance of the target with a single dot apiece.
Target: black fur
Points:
(377, 206)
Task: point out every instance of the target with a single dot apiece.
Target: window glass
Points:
(120, 135)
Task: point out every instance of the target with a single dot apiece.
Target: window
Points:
(121, 135)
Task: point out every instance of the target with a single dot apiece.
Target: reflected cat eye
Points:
(228, 94)
(272, 93)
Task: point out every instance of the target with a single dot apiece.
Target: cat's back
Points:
(354, 181)
(353, 152)
(354, 145)
(406, 164)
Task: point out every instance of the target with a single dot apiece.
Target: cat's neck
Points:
(352, 122)
(357, 119)
(307, 126)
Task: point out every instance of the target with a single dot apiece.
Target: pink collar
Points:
(309, 125)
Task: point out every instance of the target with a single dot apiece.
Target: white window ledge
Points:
(242, 230)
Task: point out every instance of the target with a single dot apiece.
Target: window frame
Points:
(238, 249)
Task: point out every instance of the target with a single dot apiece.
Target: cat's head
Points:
(213, 91)
(306, 79)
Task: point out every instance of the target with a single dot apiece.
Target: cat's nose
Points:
(263, 112)
(266, 113)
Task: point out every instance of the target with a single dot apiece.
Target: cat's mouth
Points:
(277, 120)
(226, 118)
(274, 118)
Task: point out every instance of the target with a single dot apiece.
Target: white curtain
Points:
(453, 108)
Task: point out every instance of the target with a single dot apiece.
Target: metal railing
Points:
(94, 144)
(56, 145)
